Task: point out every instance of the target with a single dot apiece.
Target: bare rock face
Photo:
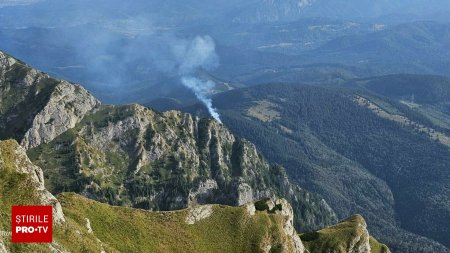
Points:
(245, 194)
(67, 106)
(199, 213)
(35, 108)
(12, 151)
(204, 192)
(360, 243)
(289, 230)
(5, 62)
(284, 208)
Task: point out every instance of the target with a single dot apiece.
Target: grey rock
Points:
(67, 106)
(24, 165)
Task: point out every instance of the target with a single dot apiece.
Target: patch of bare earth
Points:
(264, 110)
(430, 132)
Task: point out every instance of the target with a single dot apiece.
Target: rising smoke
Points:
(200, 53)
(201, 89)
(114, 48)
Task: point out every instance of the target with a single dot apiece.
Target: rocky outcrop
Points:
(131, 155)
(5, 62)
(35, 108)
(165, 152)
(13, 159)
(204, 192)
(283, 208)
(67, 106)
(199, 213)
(349, 236)
(360, 242)
(289, 230)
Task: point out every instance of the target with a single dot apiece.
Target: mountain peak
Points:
(35, 108)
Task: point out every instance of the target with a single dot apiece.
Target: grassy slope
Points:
(133, 230)
(337, 237)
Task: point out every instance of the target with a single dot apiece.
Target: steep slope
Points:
(17, 175)
(35, 108)
(358, 160)
(350, 235)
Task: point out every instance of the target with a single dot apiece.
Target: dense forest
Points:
(357, 160)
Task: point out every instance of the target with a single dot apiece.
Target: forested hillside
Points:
(358, 157)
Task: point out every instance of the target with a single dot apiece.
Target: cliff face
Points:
(35, 108)
(134, 156)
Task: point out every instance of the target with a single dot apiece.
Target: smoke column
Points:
(200, 53)
(201, 89)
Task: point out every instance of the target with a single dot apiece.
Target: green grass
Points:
(134, 230)
(15, 189)
(338, 237)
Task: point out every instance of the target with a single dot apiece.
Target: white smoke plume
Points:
(201, 90)
(200, 53)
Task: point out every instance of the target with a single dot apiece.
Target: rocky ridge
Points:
(134, 156)
(267, 229)
(35, 108)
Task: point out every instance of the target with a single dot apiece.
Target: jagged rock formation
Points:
(134, 156)
(211, 228)
(14, 162)
(283, 208)
(35, 108)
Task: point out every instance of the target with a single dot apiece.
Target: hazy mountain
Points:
(124, 52)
